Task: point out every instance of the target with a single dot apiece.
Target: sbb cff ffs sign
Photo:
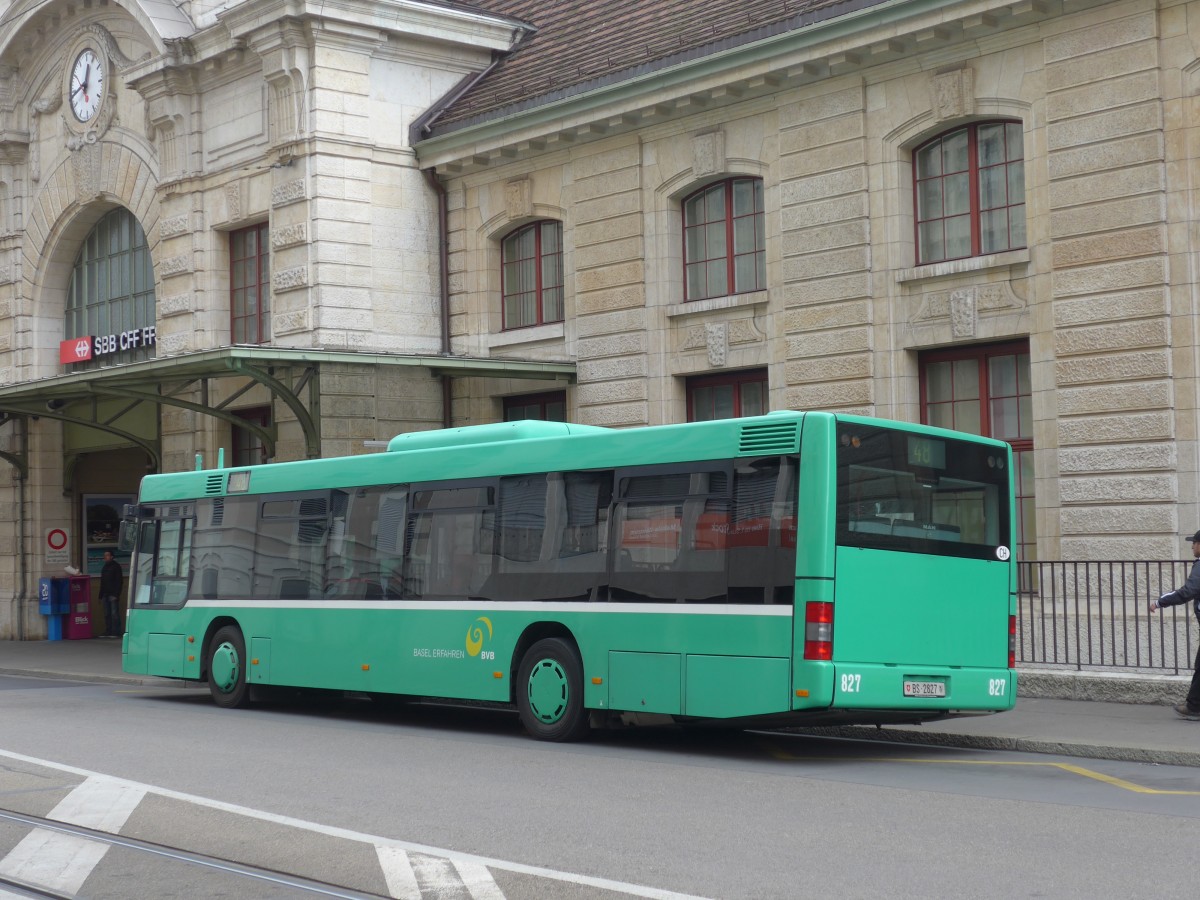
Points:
(82, 349)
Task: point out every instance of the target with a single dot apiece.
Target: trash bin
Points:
(53, 602)
(78, 625)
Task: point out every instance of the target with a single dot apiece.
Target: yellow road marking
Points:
(1066, 767)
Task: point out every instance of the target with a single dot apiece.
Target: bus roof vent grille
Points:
(773, 437)
(214, 484)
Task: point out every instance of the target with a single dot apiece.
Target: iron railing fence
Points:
(1094, 615)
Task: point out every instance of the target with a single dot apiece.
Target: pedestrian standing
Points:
(1190, 709)
(110, 592)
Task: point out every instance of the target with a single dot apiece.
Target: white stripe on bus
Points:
(686, 609)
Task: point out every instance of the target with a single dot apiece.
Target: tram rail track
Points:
(252, 874)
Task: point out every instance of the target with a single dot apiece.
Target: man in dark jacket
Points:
(110, 593)
(1190, 591)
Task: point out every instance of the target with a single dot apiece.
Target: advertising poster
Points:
(101, 525)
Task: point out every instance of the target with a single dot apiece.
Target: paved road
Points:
(437, 802)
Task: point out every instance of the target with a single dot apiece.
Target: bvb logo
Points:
(475, 636)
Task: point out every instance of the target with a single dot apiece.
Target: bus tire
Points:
(227, 669)
(550, 692)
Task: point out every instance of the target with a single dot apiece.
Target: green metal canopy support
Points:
(266, 435)
(161, 380)
(312, 437)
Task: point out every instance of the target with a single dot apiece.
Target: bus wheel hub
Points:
(548, 690)
(225, 667)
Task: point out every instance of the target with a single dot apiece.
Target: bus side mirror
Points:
(126, 536)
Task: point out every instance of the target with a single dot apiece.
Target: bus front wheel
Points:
(550, 692)
(227, 668)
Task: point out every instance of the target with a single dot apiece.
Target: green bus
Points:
(792, 568)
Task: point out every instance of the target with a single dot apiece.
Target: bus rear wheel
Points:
(550, 692)
(227, 668)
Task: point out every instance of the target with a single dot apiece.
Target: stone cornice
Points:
(457, 26)
(350, 23)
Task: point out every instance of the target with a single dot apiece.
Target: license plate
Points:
(924, 689)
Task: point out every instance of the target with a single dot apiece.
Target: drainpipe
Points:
(443, 282)
(22, 562)
(421, 127)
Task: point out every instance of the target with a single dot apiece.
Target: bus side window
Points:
(290, 549)
(353, 569)
(163, 562)
(551, 536)
(449, 542)
(223, 548)
(664, 526)
(762, 533)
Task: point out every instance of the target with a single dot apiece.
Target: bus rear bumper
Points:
(922, 690)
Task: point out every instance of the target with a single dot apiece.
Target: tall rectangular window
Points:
(248, 447)
(727, 396)
(987, 391)
(250, 285)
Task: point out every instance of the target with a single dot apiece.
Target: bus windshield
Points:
(897, 490)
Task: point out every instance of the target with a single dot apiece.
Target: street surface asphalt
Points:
(1092, 715)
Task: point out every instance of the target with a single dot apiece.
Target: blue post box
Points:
(54, 601)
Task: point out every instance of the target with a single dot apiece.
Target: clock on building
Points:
(86, 85)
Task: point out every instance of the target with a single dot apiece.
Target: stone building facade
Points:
(216, 243)
(278, 231)
(832, 110)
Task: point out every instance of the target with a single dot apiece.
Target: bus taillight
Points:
(1012, 642)
(818, 630)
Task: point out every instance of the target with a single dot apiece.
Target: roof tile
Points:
(579, 43)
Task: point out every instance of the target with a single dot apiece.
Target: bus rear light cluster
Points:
(1012, 642)
(818, 630)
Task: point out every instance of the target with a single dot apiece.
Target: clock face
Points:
(87, 85)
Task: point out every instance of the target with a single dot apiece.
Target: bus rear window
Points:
(898, 490)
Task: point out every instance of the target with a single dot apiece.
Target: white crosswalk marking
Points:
(62, 862)
(398, 873)
(384, 845)
(478, 880)
(436, 874)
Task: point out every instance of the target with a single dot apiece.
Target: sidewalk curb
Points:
(94, 678)
(1021, 745)
(1102, 687)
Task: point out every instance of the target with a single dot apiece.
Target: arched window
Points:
(724, 245)
(970, 192)
(111, 294)
(532, 275)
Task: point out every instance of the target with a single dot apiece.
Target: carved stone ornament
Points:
(233, 202)
(718, 343)
(518, 199)
(40, 109)
(708, 153)
(953, 94)
(962, 307)
(963, 316)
